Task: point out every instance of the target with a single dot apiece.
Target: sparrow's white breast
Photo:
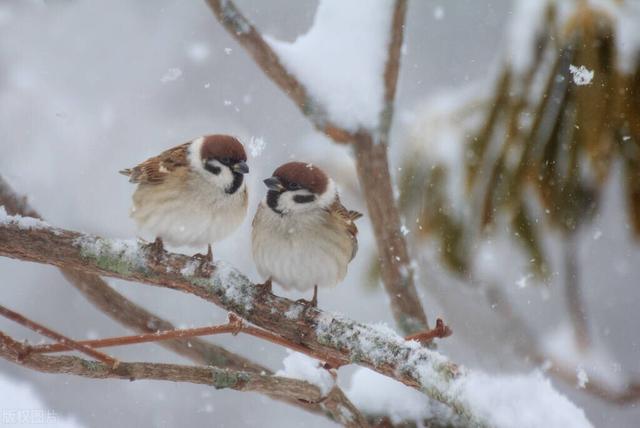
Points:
(186, 209)
(302, 250)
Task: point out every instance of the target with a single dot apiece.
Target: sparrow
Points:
(193, 194)
(302, 235)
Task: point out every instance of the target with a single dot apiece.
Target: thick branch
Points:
(372, 164)
(371, 155)
(127, 313)
(336, 337)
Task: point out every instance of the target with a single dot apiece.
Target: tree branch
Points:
(127, 313)
(392, 67)
(234, 326)
(370, 150)
(333, 336)
(62, 340)
(573, 293)
(13, 350)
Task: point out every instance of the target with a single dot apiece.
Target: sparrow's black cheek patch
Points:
(304, 199)
(272, 200)
(235, 185)
(215, 170)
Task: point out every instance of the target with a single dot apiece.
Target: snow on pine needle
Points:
(581, 75)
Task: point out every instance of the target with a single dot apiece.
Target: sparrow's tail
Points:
(354, 215)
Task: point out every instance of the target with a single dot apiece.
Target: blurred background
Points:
(518, 177)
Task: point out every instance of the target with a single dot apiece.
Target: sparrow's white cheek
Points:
(287, 203)
(224, 176)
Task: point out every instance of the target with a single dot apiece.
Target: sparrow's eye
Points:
(294, 186)
(226, 160)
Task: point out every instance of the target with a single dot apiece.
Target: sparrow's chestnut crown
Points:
(224, 148)
(298, 175)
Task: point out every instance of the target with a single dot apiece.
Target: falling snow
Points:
(256, 146)
(171, 75)
(522, 282)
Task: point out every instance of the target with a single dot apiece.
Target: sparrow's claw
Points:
(265, 287)
(205, 262)
(157, 249)
(313, 303)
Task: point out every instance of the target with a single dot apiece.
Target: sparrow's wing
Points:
(155, 169)
(346, 218)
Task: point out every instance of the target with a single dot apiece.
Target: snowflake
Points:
(256, 146)
(581, 75)
(171, 75)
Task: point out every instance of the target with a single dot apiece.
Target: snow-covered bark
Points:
(476, 398)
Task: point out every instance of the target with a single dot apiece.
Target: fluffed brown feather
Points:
(346, 218)
(155, 169)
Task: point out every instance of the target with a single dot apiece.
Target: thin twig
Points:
(234, 326)
(573, 293)
(440, 331)
(392, 67)
(70, 343)
(138, 338)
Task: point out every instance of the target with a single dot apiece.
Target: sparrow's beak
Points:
(273, 183)
(240, 167)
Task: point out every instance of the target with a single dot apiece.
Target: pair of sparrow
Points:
(195, 194)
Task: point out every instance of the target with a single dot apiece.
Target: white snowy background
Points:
(90, 87)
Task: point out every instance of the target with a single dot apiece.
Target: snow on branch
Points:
(341, 60)
(477, 399)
